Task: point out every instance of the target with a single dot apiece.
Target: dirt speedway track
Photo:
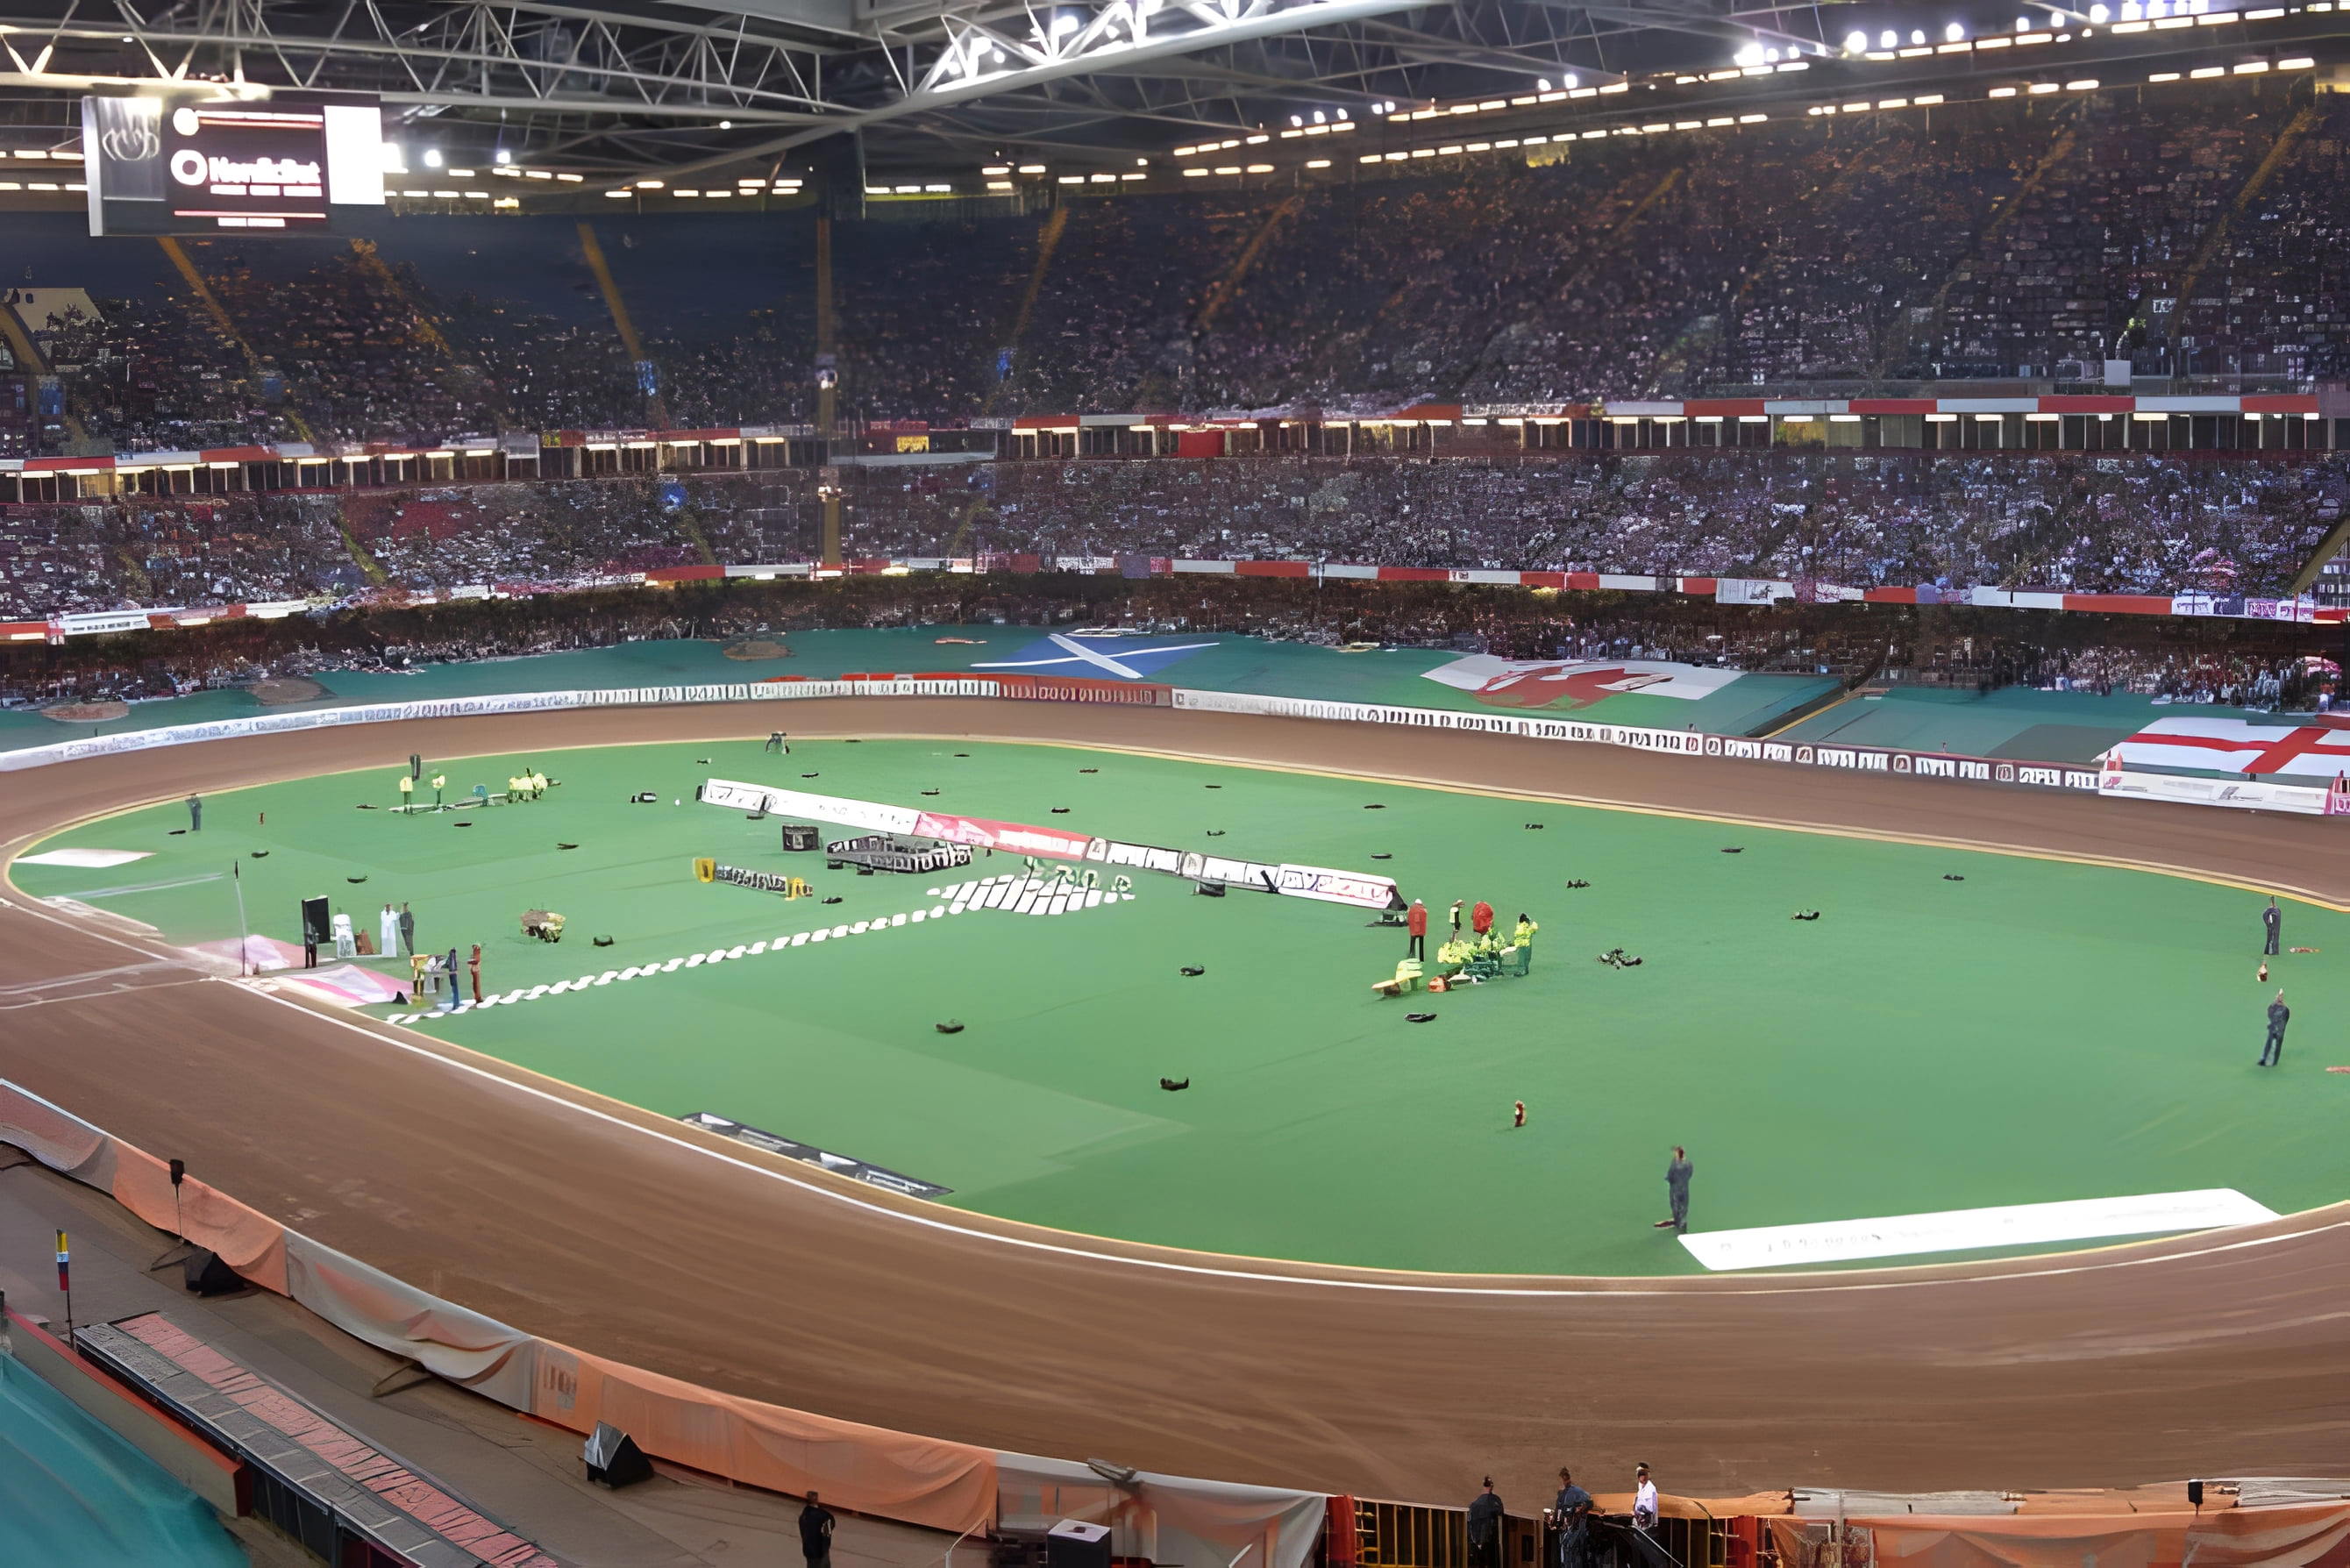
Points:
(2213, 1356)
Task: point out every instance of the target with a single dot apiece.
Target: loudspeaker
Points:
(179, 1171)
(2195, 1493)
(206, 1275)
(614, 1458)
(1074, 1543)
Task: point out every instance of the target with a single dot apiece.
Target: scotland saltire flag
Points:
(1114, 658)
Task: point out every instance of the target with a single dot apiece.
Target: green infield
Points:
(1956, 1030)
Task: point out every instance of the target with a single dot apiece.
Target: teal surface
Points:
(1231, 664)
(2017, 722)
(74, 1495)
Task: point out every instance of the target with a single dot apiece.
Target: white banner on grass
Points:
(1971, 1230)
(871, 815)
(1331, 886)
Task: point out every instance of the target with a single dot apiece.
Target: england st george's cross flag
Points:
(1097, 657)
(1572, 683)
(2315, 752)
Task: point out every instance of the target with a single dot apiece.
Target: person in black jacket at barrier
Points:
(815, 1533)
(1485, 1529)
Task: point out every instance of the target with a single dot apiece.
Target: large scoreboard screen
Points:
(194, 163)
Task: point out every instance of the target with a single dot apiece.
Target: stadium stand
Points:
(2137, 525)
(2031, 241)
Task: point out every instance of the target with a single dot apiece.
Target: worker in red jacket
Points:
(1480, 918)
(1415, 920)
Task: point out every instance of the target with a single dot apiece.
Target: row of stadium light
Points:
(1921, 100)
(2078, 84)
(2132, 16)
(2135, 17)
(23, 156)
(748, 185)
(999, 175)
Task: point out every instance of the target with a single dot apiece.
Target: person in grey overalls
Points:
(2279, 1016)
(1677, 1181)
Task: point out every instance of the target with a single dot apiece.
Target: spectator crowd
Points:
(2194, 235)
(2254, 663)
(2080, 523)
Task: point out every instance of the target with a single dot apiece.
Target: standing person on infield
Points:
(195, 813)
(1485, 1529)
(387, 931)
(1570, 1516)
(1677, 1181)
(2273, 922)
(2280, 1015)
(1415, 924)
(815, 1533)
(1455, 920)
(408, 930)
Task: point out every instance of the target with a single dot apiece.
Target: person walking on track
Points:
(2280, 1015)
(2272, 921)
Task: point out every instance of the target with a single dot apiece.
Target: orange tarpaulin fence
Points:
(2312, 1535)
(867, 1470)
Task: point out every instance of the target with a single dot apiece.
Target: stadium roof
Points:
(641, 86)
(614, 89)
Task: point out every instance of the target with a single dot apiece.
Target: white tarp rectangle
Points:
(1971, 1230)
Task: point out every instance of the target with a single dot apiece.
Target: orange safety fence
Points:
(2312, 1535)
(867, 1470)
